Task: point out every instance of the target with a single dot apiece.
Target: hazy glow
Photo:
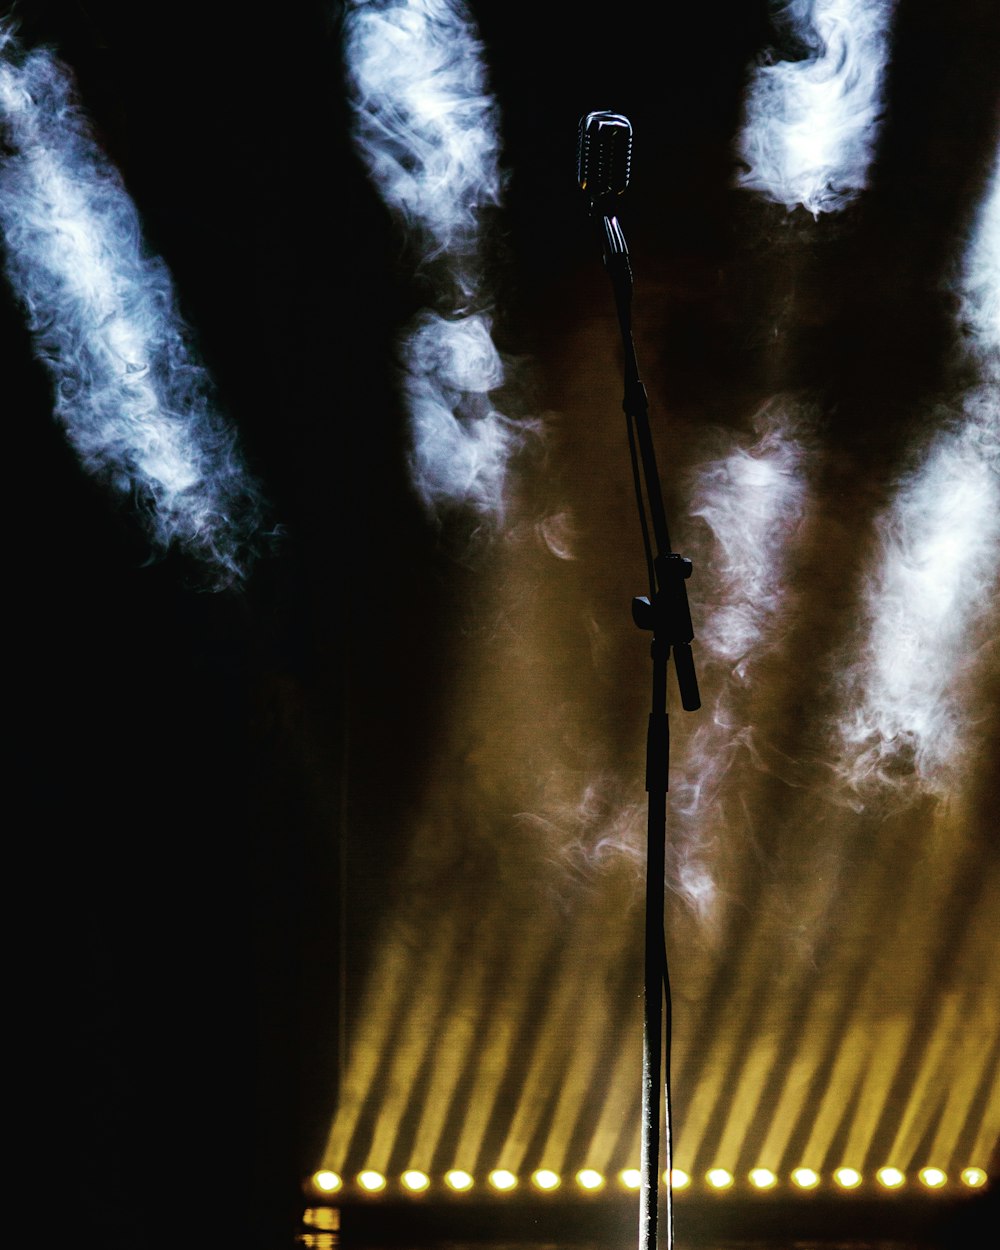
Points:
(929, 596)
(933, 1178)
(891, 1178)
(847, 1178)
(980, 281)
(544, 1179)
(502, 1179)
(811, 124)
(131, 396)
(329, 1182)
(975, 1178)
(763, 1178)
(461, 444)
(426, 127)
(719, 1178)
(939, 552)
(416, 1181)
(458, 1180)
(805, 1178)
(373, 1182)
(678, 1179)
(752, 498)
(631, 1178)
(587, 1178)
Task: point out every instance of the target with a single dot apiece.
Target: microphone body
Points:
(604, 159)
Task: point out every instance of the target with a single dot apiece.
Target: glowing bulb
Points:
(933, 1178)
(719, 1178)
(416, 1182)
(678, 1179)
(458, 1180)
(973, 1177)
(544, 1179)
(891, 1178)
(589, 1179)
(329, 1182)
(805, 1178)
(631, 1178)
(371, 1181)
(847, 1178)
(763, 1178)
(503, 1180)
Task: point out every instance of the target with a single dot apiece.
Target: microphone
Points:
(604, 158)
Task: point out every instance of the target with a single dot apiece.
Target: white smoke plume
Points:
(426, 127)
(979, 284)
(930, 602)
(754, 499)
(133, 400)
(810, 125)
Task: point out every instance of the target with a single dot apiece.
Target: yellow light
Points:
(719, 1178)
(544, 1179)
(891, 1178)
(589, 1179)
(329, 1182)
(503, 1180)
(847, 1178)
(458, 1180)
(763, 1178)
(416, 1182)
(805, 1178)
(371, 1181)
(933, 1178)
(631, 1178)
(678, 1179)
(327, 1218)
(973, 1177)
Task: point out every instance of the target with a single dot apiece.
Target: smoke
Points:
(133, 400)
(811, 123)
(979, 284)
(754, 499)
(461, 444)
(427, 130)
(928, 604)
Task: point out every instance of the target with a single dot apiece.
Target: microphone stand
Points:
(666, 614)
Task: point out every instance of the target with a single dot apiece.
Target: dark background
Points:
(179, 756)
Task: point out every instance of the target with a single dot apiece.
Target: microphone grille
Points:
(604, 155)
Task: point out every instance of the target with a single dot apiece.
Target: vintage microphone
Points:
(604, 158)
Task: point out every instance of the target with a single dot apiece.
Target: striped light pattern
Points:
(833, 964)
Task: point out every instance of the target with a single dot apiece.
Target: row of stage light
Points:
(588, 1180)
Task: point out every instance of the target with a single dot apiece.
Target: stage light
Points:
(631, 1178)
(763, 1178)
(325, 1218)
(973, 1177)
(847, 1178)
(719, 1178)
(587, 1178)
(678, 1179)
(544, 1179)
(933, 1178)
(891, 1178)
(503, 1180)
(458, 1180)
(805, 1178)
(371, 1182)
(328, 1182)
(416, 1182)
